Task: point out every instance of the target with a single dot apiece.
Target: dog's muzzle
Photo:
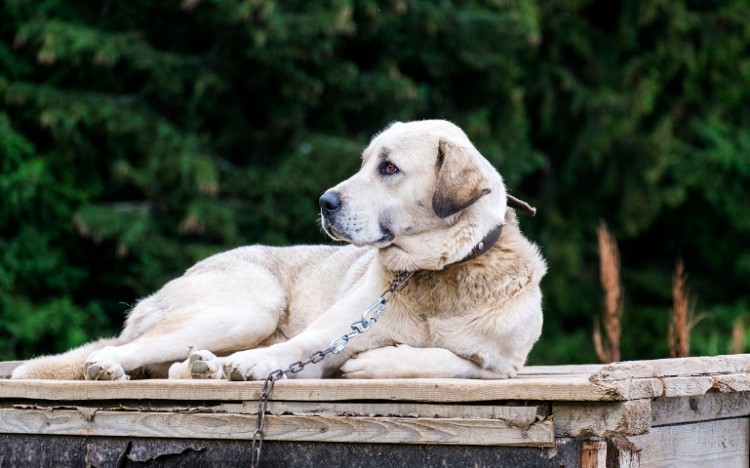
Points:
(330, 204)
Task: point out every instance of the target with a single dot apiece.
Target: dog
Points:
(423, 201)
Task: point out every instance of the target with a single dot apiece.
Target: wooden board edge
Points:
(362, 429)
(699, 408)
(601, 419)
(417, 390)
(722, 442)
(675, 367)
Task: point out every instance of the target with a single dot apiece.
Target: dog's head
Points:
(424, 196)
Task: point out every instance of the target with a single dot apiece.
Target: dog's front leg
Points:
(404, 361)
(256, 364)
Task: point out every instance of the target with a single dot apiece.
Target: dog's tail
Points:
(65, 366)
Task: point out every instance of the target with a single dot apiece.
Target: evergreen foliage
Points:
(139, 137)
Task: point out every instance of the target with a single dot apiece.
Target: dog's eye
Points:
(388, 168)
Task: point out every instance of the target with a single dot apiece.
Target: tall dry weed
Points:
(683, 319)
(609, 273)
(738, 336)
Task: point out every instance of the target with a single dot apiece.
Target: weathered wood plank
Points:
(520, 416)
(635, 389)
(567, 369)
(516, 415)
(44, 451)
(723, 443)
(547, 388)
(706, 407)
(6, 368)
(621, 453)
(393, 430)
(601, 419)
(686, 386)
(593, 454)
(679, 367)
(729, 383)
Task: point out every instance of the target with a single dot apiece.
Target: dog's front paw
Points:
(201, 364)
(104, 369)
(254, 364)
(204, 364)
(378, 363)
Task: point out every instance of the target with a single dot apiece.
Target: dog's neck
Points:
(483, 245)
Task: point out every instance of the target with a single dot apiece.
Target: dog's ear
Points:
(460, 181)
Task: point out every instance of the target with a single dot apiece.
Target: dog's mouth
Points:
(385, 240)
(334, 234)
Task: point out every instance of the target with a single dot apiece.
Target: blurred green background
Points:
(137, 137)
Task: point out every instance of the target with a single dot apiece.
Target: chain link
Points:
(369, 317)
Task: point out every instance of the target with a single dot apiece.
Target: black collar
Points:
(484, 245)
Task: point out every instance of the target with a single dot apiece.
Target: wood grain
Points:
(686, 386)
(729, 383)
(706, 407)
(544, 388)
(602, 419)
(723, 443)
(520, 416)
(593, 454)
(396, 430)
(678, 367)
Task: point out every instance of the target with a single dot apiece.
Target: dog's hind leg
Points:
(65, 366)
(211, 330)
(219, 310)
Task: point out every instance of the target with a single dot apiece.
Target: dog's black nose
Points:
(330, 202)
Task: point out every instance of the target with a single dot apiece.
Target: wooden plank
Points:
(520, 416)
(593, 454)
(23, 450)
(552, 388)
(732, 383)
(723, 443)
(621, 453)
(393, 430)
(686, 386)
(680, 367)
(570, 369)
(635, 389)
(601, 419)
(6, 368)
(665, 411)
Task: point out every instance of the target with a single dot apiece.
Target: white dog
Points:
(424, 200)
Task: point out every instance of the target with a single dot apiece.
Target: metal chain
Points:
(369, 317)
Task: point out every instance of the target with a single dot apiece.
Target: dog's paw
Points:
(24, 371)
(204, 364)
(104, 369)
(254, 364)
(378, 363)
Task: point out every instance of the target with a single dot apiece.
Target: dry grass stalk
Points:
(682, 314)
(609, 273)
(738, 337)
(601, 354)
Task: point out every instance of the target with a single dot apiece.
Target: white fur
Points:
(251, 310)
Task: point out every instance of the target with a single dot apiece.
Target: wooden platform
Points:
(674, 412)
